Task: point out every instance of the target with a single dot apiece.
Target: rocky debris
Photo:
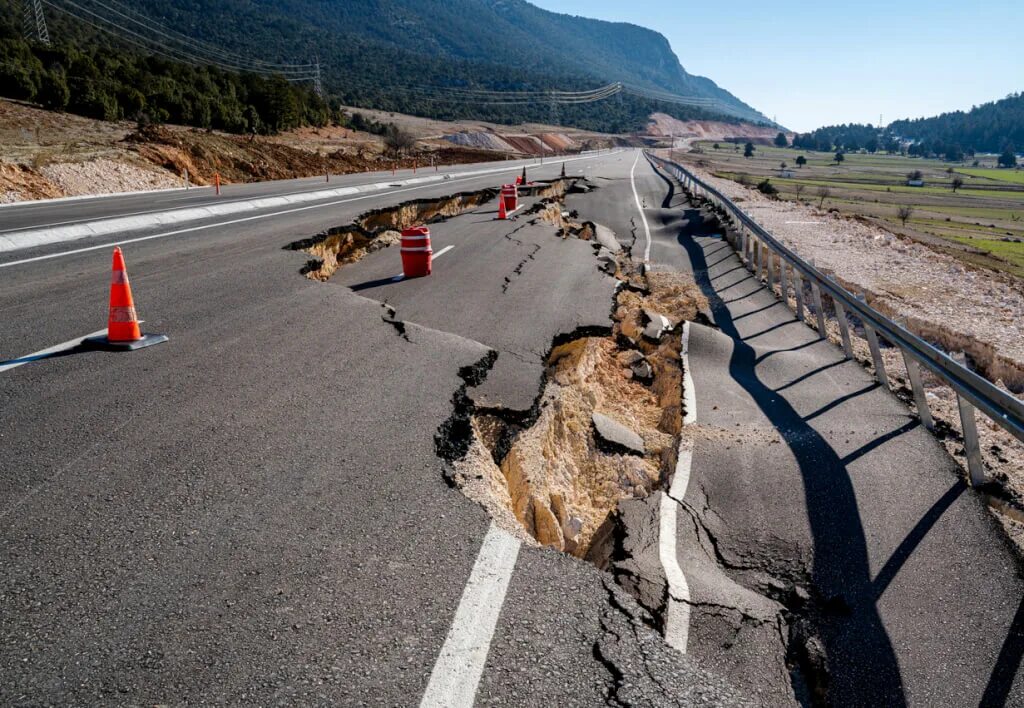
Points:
(613, 436)
(657, 325)
(642, 371)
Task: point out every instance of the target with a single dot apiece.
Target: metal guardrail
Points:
(760, 251)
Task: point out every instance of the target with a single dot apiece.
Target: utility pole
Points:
(33, 22)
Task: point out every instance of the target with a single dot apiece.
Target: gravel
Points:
(956, 307)
(103, 176)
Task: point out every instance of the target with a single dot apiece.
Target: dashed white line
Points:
(677, 611)
(401, 276)
(640, 208)
(456, 674)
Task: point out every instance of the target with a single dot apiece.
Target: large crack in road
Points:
(606, 421)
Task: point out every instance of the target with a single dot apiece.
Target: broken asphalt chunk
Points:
(613, 436)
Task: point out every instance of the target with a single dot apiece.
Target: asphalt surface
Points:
(809, 477)
(255, 512)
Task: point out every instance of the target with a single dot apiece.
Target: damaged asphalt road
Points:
(263, 510)
(255, 512)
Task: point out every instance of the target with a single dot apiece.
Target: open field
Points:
(982, 223)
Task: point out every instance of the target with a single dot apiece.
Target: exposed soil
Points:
(380, 228)
(47, 154)
(663, 125)
(553, 477)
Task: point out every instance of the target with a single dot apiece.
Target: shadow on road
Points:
(997, 691)
(861, 653)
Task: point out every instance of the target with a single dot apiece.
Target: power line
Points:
(193, 44)
(214, 57)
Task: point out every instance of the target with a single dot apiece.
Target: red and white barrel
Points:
(417, 255)
(510, 195)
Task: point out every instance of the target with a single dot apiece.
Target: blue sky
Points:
(821, 63)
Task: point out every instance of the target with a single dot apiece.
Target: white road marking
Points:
(640, 208)
(677, 615)
(203, 227)
(44, 353)
(456, 674)
(401, 276)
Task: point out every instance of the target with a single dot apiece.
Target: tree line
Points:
(996, 127)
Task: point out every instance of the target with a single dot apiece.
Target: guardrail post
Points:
(844, 328)
(798, 288)
(876, 356)
(820, 311)
(771, 269)
(975, 466)
(763, 263)
(876, 351)
(920, 399)
(783, 290)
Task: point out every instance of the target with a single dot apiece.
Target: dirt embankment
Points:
(662, 125)
(44, 154)
(248, 159)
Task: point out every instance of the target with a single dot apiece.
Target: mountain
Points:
(990, 127)
(426, 57)
(371, 47)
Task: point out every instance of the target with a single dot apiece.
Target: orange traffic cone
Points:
(123, 331)
(502, 212)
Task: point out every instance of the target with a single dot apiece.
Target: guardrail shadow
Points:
(855, 638)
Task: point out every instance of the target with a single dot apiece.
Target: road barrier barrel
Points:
(510, 195)
(417, 255)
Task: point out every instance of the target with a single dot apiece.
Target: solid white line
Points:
(639, 206)
(44, 353)
(401, 276)
(219, 224)
(677, 614)
(82, 197)
(456, 675)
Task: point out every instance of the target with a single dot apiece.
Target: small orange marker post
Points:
(123, 332)
(216, 182)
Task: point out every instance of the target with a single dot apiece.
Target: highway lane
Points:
(76, 305)
(254, 512)
(43, 213)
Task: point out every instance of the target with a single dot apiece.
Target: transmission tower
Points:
(318, 86)
(33, 22)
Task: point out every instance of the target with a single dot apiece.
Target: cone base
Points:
(105, 344)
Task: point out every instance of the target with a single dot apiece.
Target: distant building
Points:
(787, 173)
(915, 182)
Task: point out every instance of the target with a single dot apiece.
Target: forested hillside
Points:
(986, 128)
(402, 55)
(993, 127)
